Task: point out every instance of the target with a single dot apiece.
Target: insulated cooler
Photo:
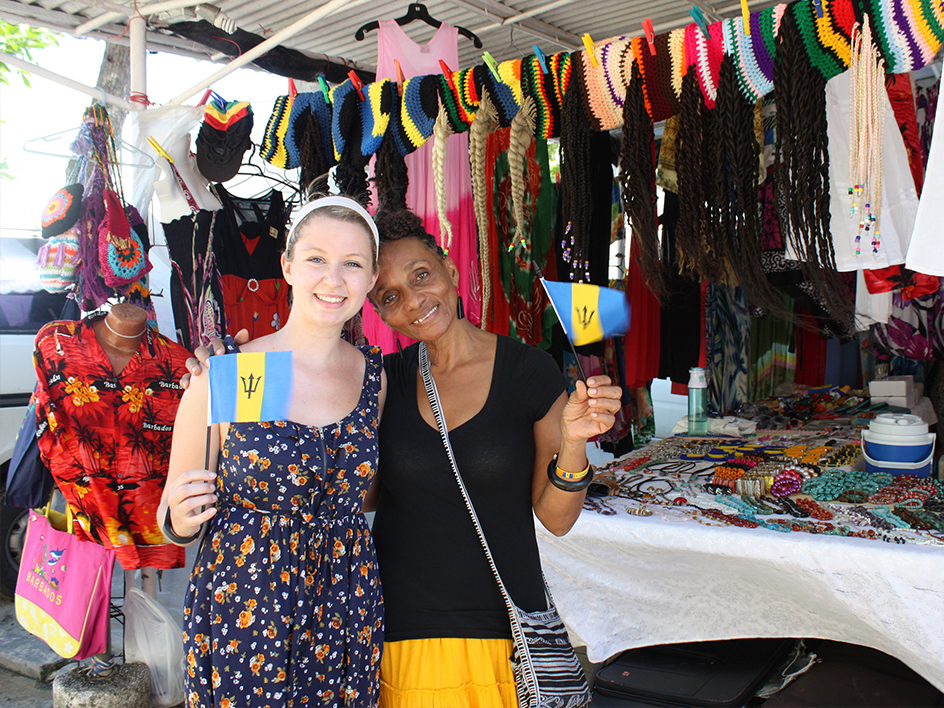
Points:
(898, 444)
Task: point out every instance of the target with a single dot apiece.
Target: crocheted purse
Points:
(122, 254)
(57, 262)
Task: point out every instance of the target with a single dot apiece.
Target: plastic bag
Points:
(152, 636)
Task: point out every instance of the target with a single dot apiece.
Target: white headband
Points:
(345, 202)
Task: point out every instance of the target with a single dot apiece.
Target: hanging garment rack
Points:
(93, 91)
(418, 11)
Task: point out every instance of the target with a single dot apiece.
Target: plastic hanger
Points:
(417, 11)
(60, 145)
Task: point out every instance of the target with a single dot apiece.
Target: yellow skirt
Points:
(447, 673)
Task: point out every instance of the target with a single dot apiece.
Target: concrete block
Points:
(128, 687)
(22, 652)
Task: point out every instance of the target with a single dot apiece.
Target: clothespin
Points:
(542, 60)
(159, 150)
(447, 72)
(292, 91)
(206, 96)
(700, 20)
(650, 35)
(324, 89)
(819, 8)
(492, 65)
(746, 17)
(591, 49)
(400, 79)
(356, 80)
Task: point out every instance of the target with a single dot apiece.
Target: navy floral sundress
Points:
(284, 605)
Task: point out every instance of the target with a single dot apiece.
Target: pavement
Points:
(28, 666)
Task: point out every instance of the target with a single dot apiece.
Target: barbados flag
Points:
(253, 386)
(588, 313)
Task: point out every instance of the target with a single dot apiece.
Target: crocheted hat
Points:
(603, 84)
(752, 80)
(510, 74)
(345, 116)
(705, 55)
(656, 70)
(501, 94)
(234, 111)
(419, 107)
(905, 31)
(62, 210)
(560, 66)
(677, 59)
(375, 116)
(821, 52)
(274, 149)
(540, 88)
(459, 118)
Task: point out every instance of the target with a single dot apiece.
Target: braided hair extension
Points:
(576, 199)
(351, 178)
(441, 132)
(485, 122)
(690, 233)
(801, 177)
(720, 223)
(519, 139)
(314, 162)
(637, 178)
(390, 176)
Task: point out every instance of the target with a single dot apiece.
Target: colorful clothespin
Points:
(591, 49)
(819, 8)
(746, 17)
(447, 72)
(492, 65)
(650, 35)
(356, 80)
(700, 20)
(159, 150)
(292, 91)
(324, 89)
(542, 60)
(400, 79)
(206, 97)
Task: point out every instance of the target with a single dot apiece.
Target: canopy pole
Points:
(138, 32)
(259, 50)
(93, 91)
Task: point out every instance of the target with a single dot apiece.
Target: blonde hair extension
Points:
(522, 133)
(441, 132)
(486, 121)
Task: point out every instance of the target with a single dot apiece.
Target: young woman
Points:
(284, 604)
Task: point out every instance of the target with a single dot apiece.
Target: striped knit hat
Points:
(345, 118)
(274, 149)
(908, 32)
(603, 84)
(752, 61)
(375, 116)
(656, 70)
(501, 93)
(560, 66)
(705, 55)
(459, 118)
(419, 107)
(826, 52)
(540, 87)
(679, 61)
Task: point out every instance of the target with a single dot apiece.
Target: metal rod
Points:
(138, 32)
(522, 16)
(92, 91)
(259, 50)
(129, 11)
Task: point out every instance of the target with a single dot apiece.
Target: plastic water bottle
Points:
(697, 401)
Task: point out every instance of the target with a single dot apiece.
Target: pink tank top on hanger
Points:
(418, 60)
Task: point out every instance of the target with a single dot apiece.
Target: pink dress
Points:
(419, 60)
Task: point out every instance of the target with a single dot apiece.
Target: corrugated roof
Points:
(507, 28)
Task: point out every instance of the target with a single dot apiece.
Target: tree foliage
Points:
(18, 40)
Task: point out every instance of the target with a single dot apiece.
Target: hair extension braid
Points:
(576, 199)
(314, 163)
(441, 132)
(391, 176)
(520, 138)
(637, 177)
(485, 122)
(690, 236)
(801, 180)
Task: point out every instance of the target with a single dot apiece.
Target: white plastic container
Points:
(898, 444)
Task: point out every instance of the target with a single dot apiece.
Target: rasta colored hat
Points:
(62, 210)
(603, 84)
(375, 116)
(275, 149)
(220, 150)
(828, 50)
(540, 87)
(501, 93)
(419, 107)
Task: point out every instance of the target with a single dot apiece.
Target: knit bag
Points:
(57, 261)
(122, 255)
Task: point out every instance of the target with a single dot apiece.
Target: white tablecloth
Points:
(624, 581)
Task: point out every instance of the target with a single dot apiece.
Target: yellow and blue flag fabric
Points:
(250, 386)
(588, 313)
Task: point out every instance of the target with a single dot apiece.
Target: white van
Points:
(24, 308)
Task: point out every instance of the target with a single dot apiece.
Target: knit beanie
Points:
(501, 94)
(705, 54)
(274, 149)
(539, 86)
(602, 84)
(656, 70)
(823, 52)
(419, 107)
(62, 210)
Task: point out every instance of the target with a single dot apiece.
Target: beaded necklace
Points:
(866, 134)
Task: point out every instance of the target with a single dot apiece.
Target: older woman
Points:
(447, 634)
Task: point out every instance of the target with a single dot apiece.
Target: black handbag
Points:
(29, 481)
(547, 672)
(724, 673)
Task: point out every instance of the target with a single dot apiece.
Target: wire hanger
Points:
(417, 11)
(60, 145)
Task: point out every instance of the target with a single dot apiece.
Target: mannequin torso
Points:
(120, 333)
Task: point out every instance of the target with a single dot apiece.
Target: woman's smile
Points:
(425, 317)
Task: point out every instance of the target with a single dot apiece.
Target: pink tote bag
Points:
(64, 587)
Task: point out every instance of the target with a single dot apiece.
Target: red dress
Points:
(107, 438)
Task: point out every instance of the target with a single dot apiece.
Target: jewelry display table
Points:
(621, 580)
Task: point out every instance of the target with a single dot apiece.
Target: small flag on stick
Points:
(588, 313)
(252, 386)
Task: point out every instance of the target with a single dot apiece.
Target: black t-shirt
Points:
(436, 580)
